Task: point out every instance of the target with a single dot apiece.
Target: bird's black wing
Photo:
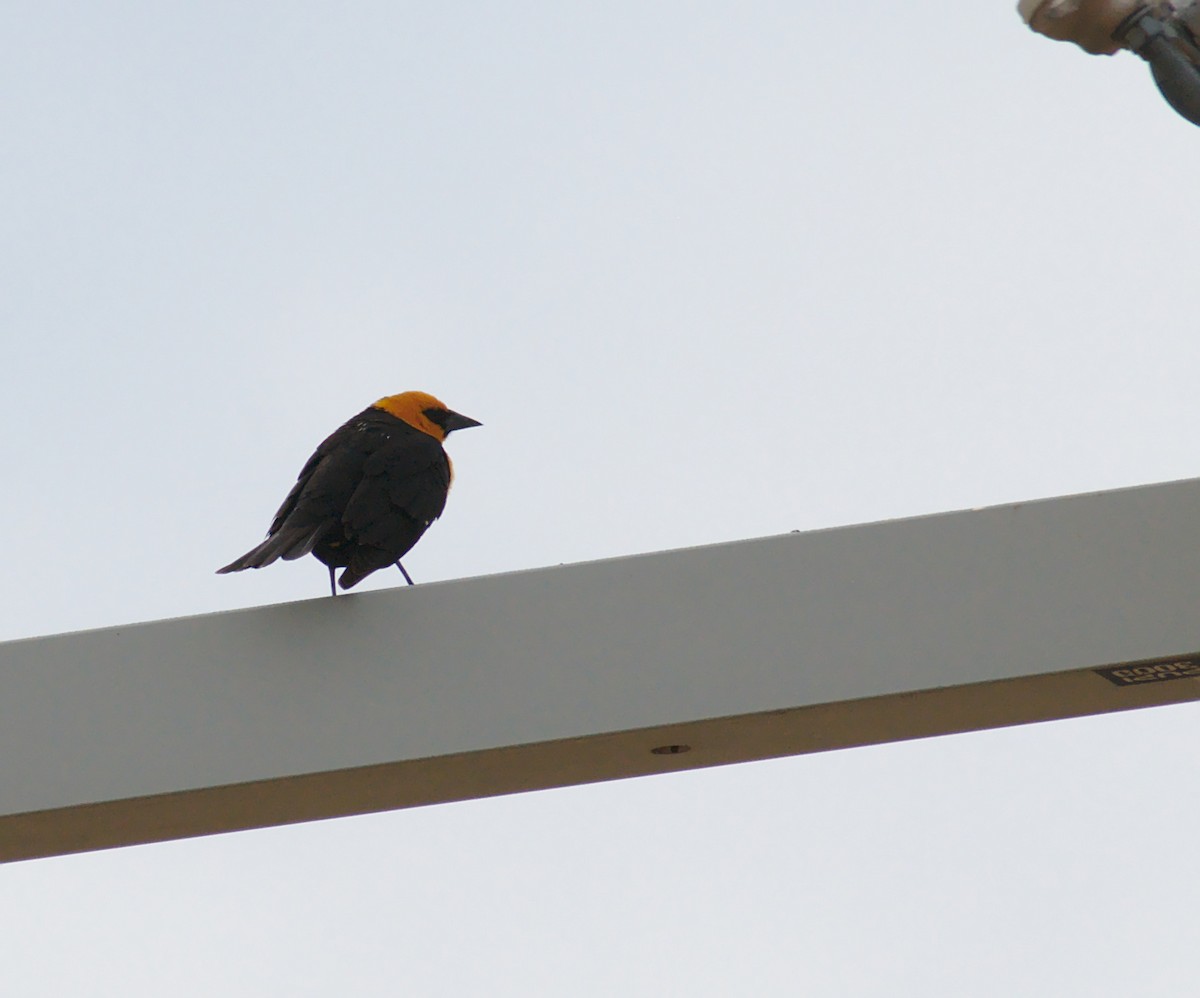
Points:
(402, 491)
(328, 480)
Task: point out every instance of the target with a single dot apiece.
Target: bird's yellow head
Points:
(423, 412)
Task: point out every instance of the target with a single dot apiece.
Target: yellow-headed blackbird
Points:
(369, 492)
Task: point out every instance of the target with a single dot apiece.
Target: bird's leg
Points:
(407, 577)
(332, 586)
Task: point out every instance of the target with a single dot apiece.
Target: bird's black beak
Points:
(449, 420)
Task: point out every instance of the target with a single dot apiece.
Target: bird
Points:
(368, 493)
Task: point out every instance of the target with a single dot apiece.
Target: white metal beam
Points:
(760, 648)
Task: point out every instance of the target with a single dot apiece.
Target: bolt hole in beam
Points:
(569, 675)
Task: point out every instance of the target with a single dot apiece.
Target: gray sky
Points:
(706, 271)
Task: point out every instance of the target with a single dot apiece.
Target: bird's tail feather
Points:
(353, 576)
(286, 544)
(364, 561)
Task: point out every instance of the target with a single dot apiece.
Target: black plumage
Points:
(368, 493)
